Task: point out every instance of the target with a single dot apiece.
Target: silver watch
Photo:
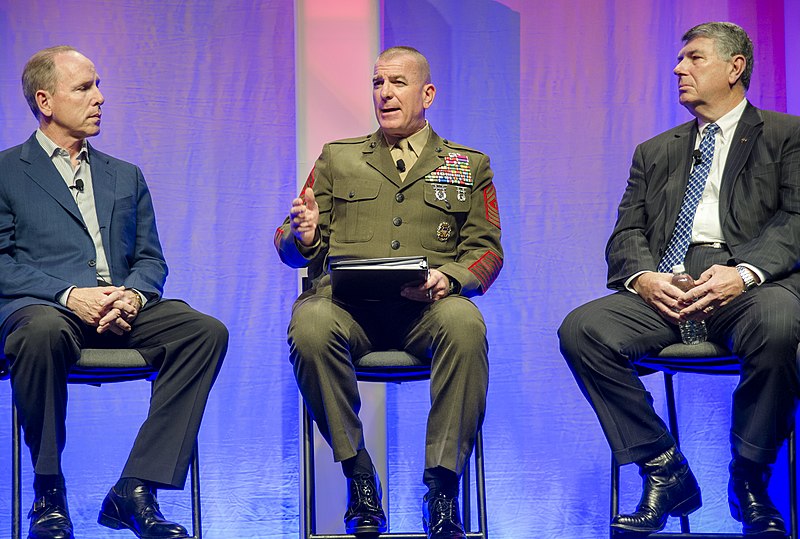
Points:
(747, 277)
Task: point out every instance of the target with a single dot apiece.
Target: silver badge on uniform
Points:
(440, 191)
(461, 193)
(444, 231)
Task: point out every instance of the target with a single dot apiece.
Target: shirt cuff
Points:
(64, 296)
(631, 279)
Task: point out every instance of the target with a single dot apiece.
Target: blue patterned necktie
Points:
(679, 243)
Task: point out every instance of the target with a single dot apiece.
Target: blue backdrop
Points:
(201, 96)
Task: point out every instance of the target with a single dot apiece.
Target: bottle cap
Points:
(678, 268)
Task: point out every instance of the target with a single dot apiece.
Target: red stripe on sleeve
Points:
(486, 269)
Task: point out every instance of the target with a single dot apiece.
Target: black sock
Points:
(42, 483)
(442, 480)
(126, 485)
(361, 464)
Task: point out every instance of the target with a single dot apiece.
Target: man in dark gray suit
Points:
(739, 236)
(81, 266)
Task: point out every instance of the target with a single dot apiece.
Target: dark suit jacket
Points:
(759, 198)
(366, 211)
(44, 245)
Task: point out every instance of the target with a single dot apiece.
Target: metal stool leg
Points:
(672, 415)
(614, 494)
(792, 471)
(197, 520)
(309, 490)
(466, 499)
(480, 486)
(16, 475)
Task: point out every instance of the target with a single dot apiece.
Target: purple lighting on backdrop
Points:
(201, 96)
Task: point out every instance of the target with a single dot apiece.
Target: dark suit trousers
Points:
(602, 340)
(186, 346)
(325, 335)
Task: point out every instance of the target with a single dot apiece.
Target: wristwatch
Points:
(747, 277)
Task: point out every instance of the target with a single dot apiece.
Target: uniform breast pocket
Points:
(354, 211)
(446, 209)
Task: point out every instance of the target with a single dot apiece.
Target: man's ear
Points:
(428, 95)
(738, 65)
(44, 102)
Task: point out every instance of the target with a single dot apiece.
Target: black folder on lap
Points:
(376, 278)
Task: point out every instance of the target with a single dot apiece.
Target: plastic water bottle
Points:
(692, 331)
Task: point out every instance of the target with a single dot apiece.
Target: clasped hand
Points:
(108, 308)
(435, 288)
(716, 287)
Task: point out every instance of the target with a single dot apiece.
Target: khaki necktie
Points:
(407, 158)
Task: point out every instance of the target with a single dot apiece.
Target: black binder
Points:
(376, 278)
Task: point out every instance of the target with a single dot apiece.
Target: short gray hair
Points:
(422, 62)
(730, 40)
(40, 74)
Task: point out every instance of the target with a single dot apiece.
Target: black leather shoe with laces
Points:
(50, 516)
(669, 489)
(139, 513)
(441, 517)
(749, 501)
(364, 515)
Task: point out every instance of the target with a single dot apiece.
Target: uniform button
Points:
(92, 263)
(351, 194)
(395, 245)
(399, 197)
(397, 221)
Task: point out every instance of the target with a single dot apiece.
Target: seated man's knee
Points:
(578, 330)
(214, 329)
(312, 327)
(41, 328)
(773, 324)
(462, 320)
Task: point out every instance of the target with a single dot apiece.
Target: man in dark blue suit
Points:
(720, 195)
(81, 266)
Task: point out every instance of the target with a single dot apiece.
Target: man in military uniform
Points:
(400, 191)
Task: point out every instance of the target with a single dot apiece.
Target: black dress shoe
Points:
(50, 516)
(749, 502)
(364, 515)
(669, 489)
(139, 513)
(441, 517)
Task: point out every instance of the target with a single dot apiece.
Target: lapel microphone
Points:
(401, 165)
(697, 157)
(78, 185)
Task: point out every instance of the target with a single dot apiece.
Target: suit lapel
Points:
(740, 147)
(679, 152)
(43, 172)
(103, 184)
